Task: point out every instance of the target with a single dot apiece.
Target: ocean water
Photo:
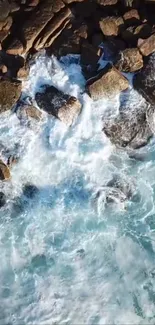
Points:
(76, 251)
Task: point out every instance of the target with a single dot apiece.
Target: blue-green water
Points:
(68, 256)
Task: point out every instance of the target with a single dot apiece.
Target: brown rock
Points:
(10, 91)
(38, 21)
(6, 24)
(57, 23)
(4, 171)
(23, 72)
(131, 16)
(34, 3)
(110, 26)
(28, 111)
(4, 9)
(58, 104)
(130, 60)
(3, 35)
(107, 2)
(70, 1)
(147, 46)
(15, 47)
(3, 68)
(107, 83)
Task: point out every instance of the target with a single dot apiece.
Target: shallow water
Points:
(68, 256)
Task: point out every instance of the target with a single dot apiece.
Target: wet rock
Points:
(2, 199)
(107, 83)
(130, 60)
(129, 128)
(12, 160)
(10, 91)
(30, 190)
(63, 106)
(89, 59)
(111, 26)
(15, 47)
(39, 260)
(12, 63)
(144, 81)
(4, 171)
(28, 111)
(112, 47)
(4, 9)
(6, 24)
(147, 46)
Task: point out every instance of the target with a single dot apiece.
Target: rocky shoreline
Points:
(119, 31)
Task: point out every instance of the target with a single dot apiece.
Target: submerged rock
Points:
(10, 91)
(144, 81)
(55, 102)
(108, 82)
(2, 199)
(30, 190)
(4, 171)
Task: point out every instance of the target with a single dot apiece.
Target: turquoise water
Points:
(67, 255)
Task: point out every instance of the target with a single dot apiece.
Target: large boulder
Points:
(130, 128)
(130, 60)
(144, 81)
(10, 91)
(147, 46)
(55, 102)
(4, 171)
(111, 26)
(107, 83)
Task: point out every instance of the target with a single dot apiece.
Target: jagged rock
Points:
(147, 46)
(56, 24)
(4, 171)
(108, 82)
(63, 106)
(144, 81)
(110, 26)
(130, 60)
(38, 20)
(107, 2)
(10, 91)
(2, 199)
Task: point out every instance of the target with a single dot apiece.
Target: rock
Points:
(70, 1)
(147, 46)
(110, 26)
(38, 20)
(142, 31)
(30, 190)
(6, 24)
(97, 39)
(4, 171)
(10, 91)
(63, 106)
(57, 23)
(15, 47)
(4, 9)
(107, 2)
(2, 199)
(89, 59)
(130, 60)
(112, 47)
(131, 17)
(12, 63)
(144, 81)
(3, 68)
(12, 160)
(28, 111)
(107, 83)
(129, 129)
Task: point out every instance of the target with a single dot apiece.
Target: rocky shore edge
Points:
(119, 31)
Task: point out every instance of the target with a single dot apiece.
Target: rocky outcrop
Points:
(10, 91)
(130, 60)
(4, 171)
(144, 81)
(108, 82)
(54, 102)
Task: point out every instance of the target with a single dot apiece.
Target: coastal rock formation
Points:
(10, 91)
(108, 82)
(55, 102)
